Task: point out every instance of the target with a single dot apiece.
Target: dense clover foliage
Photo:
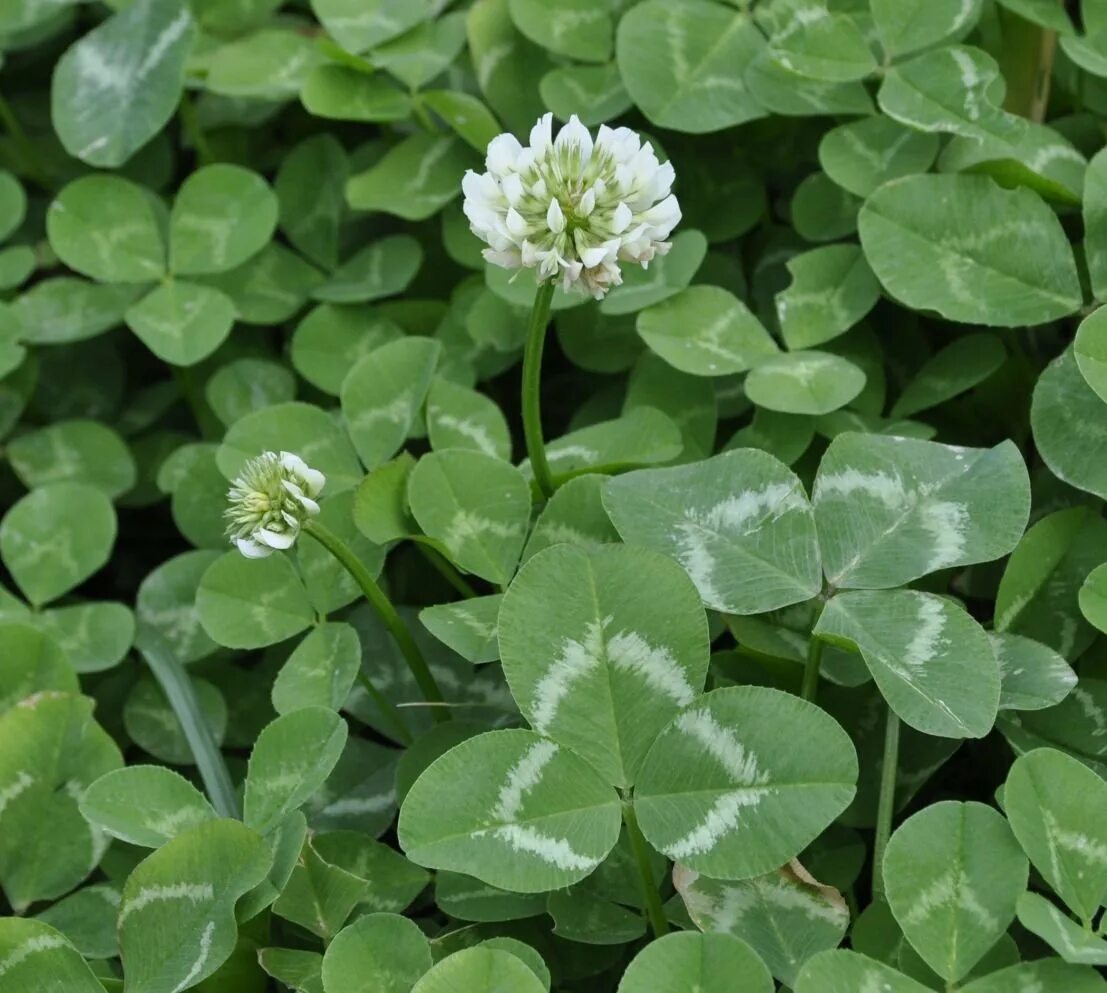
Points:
(784, 668)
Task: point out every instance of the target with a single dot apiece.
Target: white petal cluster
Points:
(570, 207)
(269, 502)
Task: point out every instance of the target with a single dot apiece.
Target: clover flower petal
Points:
(572, 207)
(269, 501)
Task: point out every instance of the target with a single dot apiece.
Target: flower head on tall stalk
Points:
(270, 500)
(571, 207)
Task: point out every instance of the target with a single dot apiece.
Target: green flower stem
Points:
(178, 689)
(654, 909)
(885, 807)
(445, 569)
(387, 613)
(810, 684)
(532, 381)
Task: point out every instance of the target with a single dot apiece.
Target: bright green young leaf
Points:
(890, 509)
(382, 952)
(251, 603)
(476, 505)
(291, 759)
(739, 523)
(108, 228)
(182, 322)
(469, 627)
(697, 963)
(1069, 421)
(51, 750)
(144, 805)
(705, 331)
(222, 216)
(1056, 806)
(683, 64)
(933, 662)
(807, 382)
(864, 154)
(118, 85)
(970, 250)
(34, 956)
(785, 915)
(176, 920)
(953, 874)
(55, 537)
(832, 289)
(512, 808)
(490, 970)
(717, 793)
(320, 671)
(601, 650)
(415, 179)
(383, 393)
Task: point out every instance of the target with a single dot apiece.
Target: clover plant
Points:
(553, 496)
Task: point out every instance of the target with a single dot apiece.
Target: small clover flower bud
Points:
(571, 207)
(269, 501)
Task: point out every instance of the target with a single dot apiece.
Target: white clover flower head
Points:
(269, 501)
(570, 207)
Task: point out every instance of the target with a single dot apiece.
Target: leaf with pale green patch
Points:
(108, 228)
(320, 671)
(602, 648)
(166, 601)
(341, 93)
(244, 385)
(1032, 675)
(331, 338)
(458, 417)
(32, 662)
(176, 919)
(717, 794)
(739, 523)
(469, 899)
(933, 663)
(1039, 590)
(682, 64)
(51, 750)
(35, 956)
(705, 331)
(291, 759)
(786, 916)
(358, 25)
(119, 85)
(380, 269)
(182, 322)
(579, 29)
(476, 505)
(473, 122)
(299, 970)
(832, 289)
(783, 91)
(1075, 944)
(666, 277)
(251, 603)
(688, 962)
(953, 874)
(1048, 974)
(144, 805)
(415, 179)
(153, 724)
(1090, 349)
(964, 363)
(972, 251)
(594, 93)
(490, 970)
(1056, 806)
(892, 509)
(512, 808)
(1069, 421)
(383, 952)
(469, 627)
(574, 515)
(383, 393)
(841, 971)
(864, 154)
(270, 64)
(64, 309)
(807, 382)
(55, 537)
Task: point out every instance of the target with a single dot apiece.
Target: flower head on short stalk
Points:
(571, 207)
(269, 501)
